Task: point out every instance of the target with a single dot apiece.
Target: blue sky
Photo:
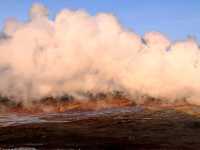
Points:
(175, 18)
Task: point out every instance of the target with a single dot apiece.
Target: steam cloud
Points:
(76, 53)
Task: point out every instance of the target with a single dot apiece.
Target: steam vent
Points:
(94, 75)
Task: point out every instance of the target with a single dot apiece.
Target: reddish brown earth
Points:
(54, 105)
(100, 124)
(114, 128)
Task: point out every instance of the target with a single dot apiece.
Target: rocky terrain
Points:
(127, 127)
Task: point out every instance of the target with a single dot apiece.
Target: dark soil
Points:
(147, 129)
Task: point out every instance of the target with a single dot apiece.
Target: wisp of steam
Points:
(76, 53)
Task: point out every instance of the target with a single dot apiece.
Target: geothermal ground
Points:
(120, 126)
(55, 70)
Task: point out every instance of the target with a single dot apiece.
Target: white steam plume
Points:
(77, 53)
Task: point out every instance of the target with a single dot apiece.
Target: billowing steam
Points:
(78, 53)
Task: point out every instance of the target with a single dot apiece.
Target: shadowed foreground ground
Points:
(124, 128)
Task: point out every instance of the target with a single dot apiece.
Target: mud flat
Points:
(118, 128)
